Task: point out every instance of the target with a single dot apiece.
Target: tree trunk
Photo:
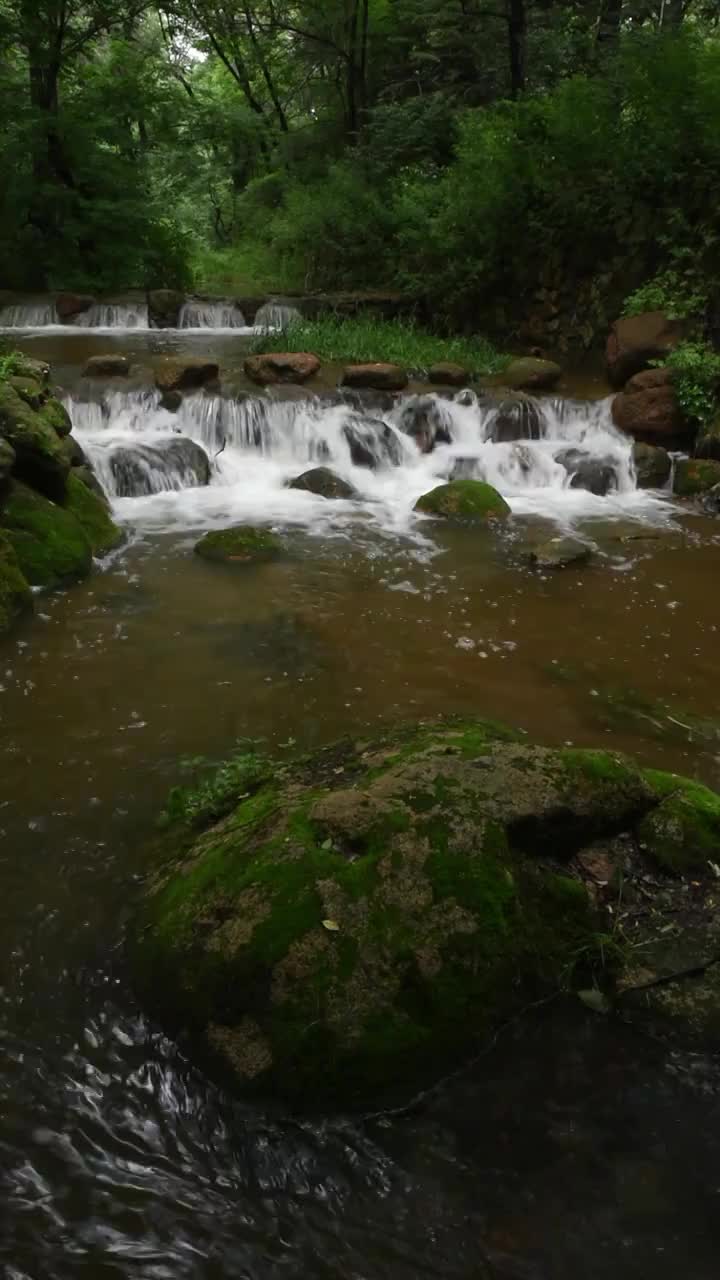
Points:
(517, 32)
(608, 33)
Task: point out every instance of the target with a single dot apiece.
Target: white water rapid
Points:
(256, 445)
(197, 314)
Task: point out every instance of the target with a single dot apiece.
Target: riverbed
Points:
(573, 1147)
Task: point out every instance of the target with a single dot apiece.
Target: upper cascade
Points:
(199, 314)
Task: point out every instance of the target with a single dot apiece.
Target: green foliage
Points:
(364, 338)
(221, 789)
(11, 363)
(696, 378)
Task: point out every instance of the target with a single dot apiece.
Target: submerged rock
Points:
(381, 377)
(242, 544)
(110, 366)
(464, 500)
(652, 466)
(694, 476)
(372, 443)
(181, 373)
(141, 469)
(365, 917)
(323, 482)
(281, 366)
(559, 553)
(427, 420)
(597, 475)
(530, 373)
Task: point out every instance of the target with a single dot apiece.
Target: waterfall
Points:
(199, 314)
(277, 315)
(568, 461)
(114, 315)
(28, 315)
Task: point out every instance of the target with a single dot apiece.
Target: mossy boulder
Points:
(51, 546)
(683, 832)
(694, 476)
(55, 415)
(92, 512)
(30, 390)
(363, 917)
(242, 544)
(530, 373)
(7, 460)
(464, 500)
(26, 367)
(15, 594)
(40, 458)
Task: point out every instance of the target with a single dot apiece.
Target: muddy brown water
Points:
(572, 1148)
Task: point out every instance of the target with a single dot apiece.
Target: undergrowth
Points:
(219, 788)
(696, 378)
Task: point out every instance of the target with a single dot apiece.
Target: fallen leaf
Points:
(331, 925)
(595, 1000)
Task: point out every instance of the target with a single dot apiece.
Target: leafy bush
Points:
(220, 791)
(696, 378)
(10, 362)
(677, 291)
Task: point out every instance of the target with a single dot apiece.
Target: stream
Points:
(573, 1147)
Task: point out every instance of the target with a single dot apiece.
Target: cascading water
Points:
(277, 315)
(257, 445)
(114, 315)
(197, 314)
(29, 315)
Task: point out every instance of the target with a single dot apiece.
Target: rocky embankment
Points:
(366, 917)
(53, 517)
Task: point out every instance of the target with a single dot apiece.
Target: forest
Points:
(482, 156)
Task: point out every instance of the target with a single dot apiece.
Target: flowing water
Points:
(572, 1148)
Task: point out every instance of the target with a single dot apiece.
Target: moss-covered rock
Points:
(92, 512)
(530, 373)
(40, 458)
(51, 546)
(7, 460)
(242, 544)
(683, 832)
(55, 415)
(26, 367)
(464, 500)
(694, 476)
(30, 390)
(367, 915)
(15, 593)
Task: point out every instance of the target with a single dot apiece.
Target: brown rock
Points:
(281, 366)
(164, 307)
(648, 409)
(178, 373)
(383, 377)
(635, 341)
(111, 366)
(445, 373)
(70, 305)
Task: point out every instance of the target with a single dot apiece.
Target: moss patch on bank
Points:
(93, 515)
(51, 546)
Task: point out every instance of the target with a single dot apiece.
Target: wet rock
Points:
(529, 373)
(648, 409)
(71, 305)
(517, 419)
(40, 458)
(110, 366)
(7, 460)
(635, 341)
(182, 373)
(365, 400)
(323, 482)
(694, 476)
(51, 546)
(427, 420)
(464, 500)
(597, 475)
(312, 928)
(29, 390)
(372, 443)
(16, 598)
(560, 553)
(447, 374)
(382, 377)
(711, 501)
(652, 466)
(55, 415)
(240, 545)
(74, 452)
(164, 307)
(171, 401)
(281, 366)
(25, 367)
(174, 463)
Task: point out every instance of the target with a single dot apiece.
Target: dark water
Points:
(572, 1149)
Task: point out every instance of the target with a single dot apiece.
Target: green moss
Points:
(50, 545)
(29, 390)
(693, 476)
(599, 766)
(242, 544)
(15, 593)
(683, 832)
(56, 416)
(38, 448)
(93, 515)
(464, 500)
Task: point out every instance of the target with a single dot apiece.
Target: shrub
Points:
(696, 370)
